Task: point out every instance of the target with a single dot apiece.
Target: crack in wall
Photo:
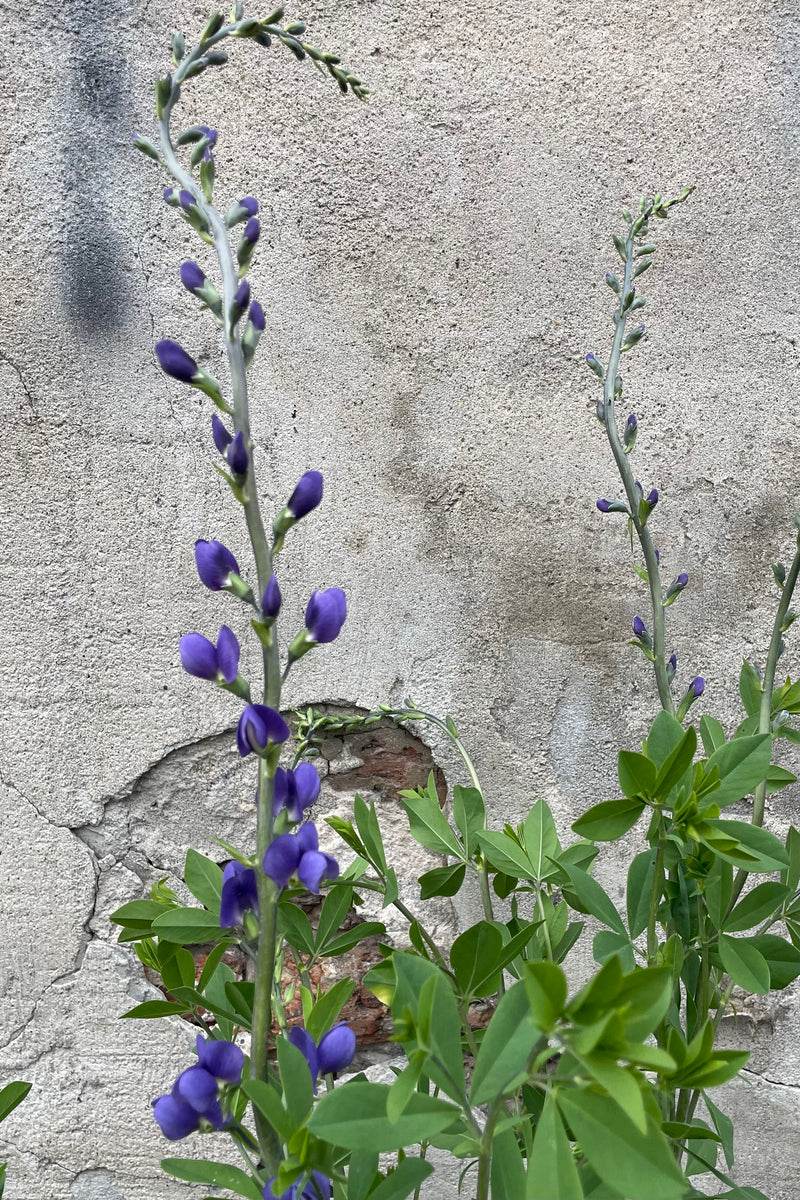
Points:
(778, 1083)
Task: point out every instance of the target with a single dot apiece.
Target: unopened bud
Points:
(178, 46)
(163, 93)
(594, 364)
(694, 690)
(779, 571)
(612, 282)
(633, 338)
(146, 147)
(212, 26)
(631, 432)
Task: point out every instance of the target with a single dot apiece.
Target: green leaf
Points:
(665, 734)
(639, 1165)
(367, 825)
(402, 1180)
(473, 956)
(763, 850)
(362, 1170)
(12, 1095)
(138, 914)
(552, 1172)
(505, 854)
(241, 996)
(354, 1116)
(295, 1080)
(675, 765)
(712, 733)
(621, 1084)
(509, 1041)
(742, 764)
(750, 689)
(790, 876)
(781, 958)
(442, 881)
(541, 839)
(592, 896)
(268, 1102)
(335, 908)
(178, 971)
(639, 890)
(719, 890)
(744, 963)
(607, 942)
(155, 1008)
(187, 926)
(405, 1085)
(211, 964)
(637, 774)
(203, 879)
(424, 990)
(762, 902)
(469, 816)
(778, 778)
(428, 824)
(609, 820)
(214, 1003)
(507, 1170)
(724, 1127)
(351, 937)
(327, 1008)
(216, 1173)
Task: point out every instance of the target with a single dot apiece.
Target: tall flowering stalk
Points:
(241, 321)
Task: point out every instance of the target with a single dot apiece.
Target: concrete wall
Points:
(432, 274)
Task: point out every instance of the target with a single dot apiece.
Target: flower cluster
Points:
(334, 1052)
(194, 1102)
(299, 854)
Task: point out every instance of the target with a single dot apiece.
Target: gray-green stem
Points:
(632, 493)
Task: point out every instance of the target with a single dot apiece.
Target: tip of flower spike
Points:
(673, 661)
(252, 230)
(186, 198)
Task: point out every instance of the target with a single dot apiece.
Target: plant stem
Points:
(265, 963)
(765, 710)
(655, 895)
(632, 492)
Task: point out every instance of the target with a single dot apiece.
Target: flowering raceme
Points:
(194, 1101)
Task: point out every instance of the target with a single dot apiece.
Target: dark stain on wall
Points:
(97, 117)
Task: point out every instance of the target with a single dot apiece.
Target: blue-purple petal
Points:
(174, 361)
(307, 495)
(214, 564)
(312, 869)
(224, 1060)
(281, 859)
(256, 315)
(175, 1118)
(222, 438)
(198, 656)
(336, 1050)
(326, 613)
(271, 600)
(304, 1042)
(197, 1088)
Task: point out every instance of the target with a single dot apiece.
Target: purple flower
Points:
(186, 199)
(175, 1118)
(252, 232)
(682, 579)
(192, 277)
(325, 614)
(249, 204)
(639, 627)
(336, 1050)
(171, 197)
(304, 1042)
(242, 297)
(211, 134)
(214, 564)
(201, 658)
(222, 439)
(306, 496)
(289, 853)
(697, 686)
(196, 1088)
(296, 790)
(673, 662)
(237, 455)
(223, 1060)
(239, 895)
(259, 728)
(174, 361)
(256, 316)
(179, 1113)
(652, 497)
(604, 506)
(271, 600)
(318, 1187)
(631, 422)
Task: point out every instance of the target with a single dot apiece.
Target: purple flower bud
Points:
(304, 1042)
(682, 579)
(171, 197)
(631, 422)
(222, 439)
(272, 599)
(256, 315)
(336, 1049)
(259, 728)
(174, 361)
(673, 661)
(237, 455)
(658, 557)
(652, 497)
(211, 134)
(223, 1060)
(638, 487)
(325, 614)
(196, 1088)
(214, 564)
(318, 1188)
(186, 199)
(192, 277)
(639, 626)
(175, 1118)
(306, 496)
(242, 297)
(228, 654)
(281, 859)
(604, 505)
(249, 204)
(697, 686)
(239, 895)
(200, 658)
(252, 231)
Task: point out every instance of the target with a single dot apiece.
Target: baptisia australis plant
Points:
(559, 1097)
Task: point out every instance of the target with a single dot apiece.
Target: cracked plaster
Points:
(424, 349)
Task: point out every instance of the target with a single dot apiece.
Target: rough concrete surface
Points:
(431, 269)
